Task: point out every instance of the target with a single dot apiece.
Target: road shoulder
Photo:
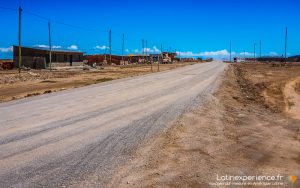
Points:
(234, 132)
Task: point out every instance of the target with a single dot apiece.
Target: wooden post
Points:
(254, 52)
(230, 52)
(285, 44)
(123, 49)
(162, 57)
(110, 46)
(20, 51)
(50, 47)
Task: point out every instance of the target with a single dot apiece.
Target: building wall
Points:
(100, 59)
(58, 64)
(294, 59)
(36, 58)
(31, 62)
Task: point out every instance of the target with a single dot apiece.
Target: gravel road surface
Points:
(78, 137)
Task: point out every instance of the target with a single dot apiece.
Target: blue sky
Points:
(193, 27)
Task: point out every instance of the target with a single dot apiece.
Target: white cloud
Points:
(41, 46)
(273, 54)
(46, 46)
(101, 47)
(154, 49)
(251, 54)
(56, 47)
(73, 47)
(5, 50)
(220, 53)
(127, 50)
(247, 54)
(215, 53)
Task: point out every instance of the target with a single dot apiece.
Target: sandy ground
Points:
(250, 126)
(36, 82)
(79, 137)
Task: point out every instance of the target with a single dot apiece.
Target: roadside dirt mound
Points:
(292, 97)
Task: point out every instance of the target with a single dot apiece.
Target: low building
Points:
(155, 57)
(6, 64)
(238, 59)
(270, 59)
(39, 58)
(209, 60)
(294, 58)
(188, 59)
(140, 59)
(103, 59)
(169, 57)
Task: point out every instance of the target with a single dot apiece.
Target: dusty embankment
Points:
(245, 128)
(36, 82)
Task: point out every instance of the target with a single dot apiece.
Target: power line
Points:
(52, 20)
(11, 9)
(62, 23)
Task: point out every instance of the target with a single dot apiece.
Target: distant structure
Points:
(6, 64)
(38, 58)
(102, 59)
(267, 59)
(209, 60)
(169, 57)
(238, 60)
(271, 59)
(294, 58)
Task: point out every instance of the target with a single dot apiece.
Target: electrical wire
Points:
(59, 22)
(11, 9)
(62, 23)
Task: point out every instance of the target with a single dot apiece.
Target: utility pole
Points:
(162, 58)
(230, 51)
(146, 51)
(50, 46)
(123, 48)
(260, 49)
(143, 49)
(105, 59)
(285, 48)
(20, 24)
(254, 52)
(110, 46)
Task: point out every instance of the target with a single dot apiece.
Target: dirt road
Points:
(250, 126)
(79, 137)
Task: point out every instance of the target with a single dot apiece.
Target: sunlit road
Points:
(78, 137)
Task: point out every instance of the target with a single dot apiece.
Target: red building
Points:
(103, 59)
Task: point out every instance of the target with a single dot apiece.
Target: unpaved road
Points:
(79, 137)
(245, 128)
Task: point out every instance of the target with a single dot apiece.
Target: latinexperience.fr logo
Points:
(254, 180)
